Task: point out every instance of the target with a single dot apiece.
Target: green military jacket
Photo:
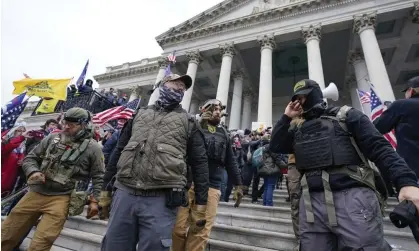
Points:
(61, 173)
(155, 156)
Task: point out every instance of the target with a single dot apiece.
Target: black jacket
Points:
(370, 141)
(403, 117)
(231, 166)
(197, 160)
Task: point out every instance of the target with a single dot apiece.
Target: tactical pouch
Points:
(176, 198)
(77, 202)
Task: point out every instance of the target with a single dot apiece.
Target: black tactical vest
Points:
(216, 144)
(322, 143)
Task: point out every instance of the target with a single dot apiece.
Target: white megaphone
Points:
(331, 92)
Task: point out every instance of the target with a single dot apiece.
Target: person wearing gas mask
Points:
(53, 167)
(220, 157)
(340, 190)
(151, 159)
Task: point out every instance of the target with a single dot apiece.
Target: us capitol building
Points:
(250, 53)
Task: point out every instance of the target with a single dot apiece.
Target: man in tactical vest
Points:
(341, 192)
(152, 155)
(220, 157)
(53, 168)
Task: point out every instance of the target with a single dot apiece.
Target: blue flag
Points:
(80, 81)
(13, 103)
(13, 111)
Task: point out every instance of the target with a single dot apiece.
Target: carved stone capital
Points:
(227, 50)
(350, 81)
(355, 55)
(238, 74)
(248, 94)
(365, 21)
(267, 41)
(194, 56)
(135, 90)
(163, 62)
(312, 32)
(415, 13)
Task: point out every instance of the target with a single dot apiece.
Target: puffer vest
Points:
(155, 156)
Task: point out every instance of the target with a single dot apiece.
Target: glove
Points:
(105, 200)
(93, 208)
(36, 178)
(238, 195)
(197, 219)
(206, 115)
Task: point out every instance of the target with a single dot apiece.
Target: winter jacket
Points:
(403, 116)
(109, 145)
(10, 156)
(149, 130)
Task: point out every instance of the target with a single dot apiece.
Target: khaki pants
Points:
(294, 185)
(54, 210)
(181, 240)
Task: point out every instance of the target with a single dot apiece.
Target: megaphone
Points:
(331, 92)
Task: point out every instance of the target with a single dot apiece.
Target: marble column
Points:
(227, 52)
(365, 26)
(312, 36)
(193, 108)
(351, 87)
(236, 103)
(356, 58)
(267, 44)
(247, 110)
(163, 63)
(194, 58)
(415, 13)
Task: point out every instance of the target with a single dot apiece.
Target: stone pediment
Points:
(234, 14)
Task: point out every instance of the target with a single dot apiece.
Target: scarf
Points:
(169, 97)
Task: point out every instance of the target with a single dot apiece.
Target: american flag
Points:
(377, 108)
(8, 119)
(119, 112)
(171, 57)
(364, 97)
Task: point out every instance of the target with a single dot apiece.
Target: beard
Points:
(214, 121)
(66, 138)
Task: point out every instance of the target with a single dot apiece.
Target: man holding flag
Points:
(403, 118)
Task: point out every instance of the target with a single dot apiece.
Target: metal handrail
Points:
(91, 101)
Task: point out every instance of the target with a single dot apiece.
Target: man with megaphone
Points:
(341, 193)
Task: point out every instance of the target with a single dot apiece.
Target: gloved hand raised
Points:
(197, 219)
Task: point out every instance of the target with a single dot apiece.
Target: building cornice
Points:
(129, 72)
(274, 14)
(203, 18)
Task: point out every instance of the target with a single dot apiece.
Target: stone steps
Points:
(279, 201)
(251, 227)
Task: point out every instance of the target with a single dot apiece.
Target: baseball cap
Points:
(186, 79)
(412, 83)
(304, 87)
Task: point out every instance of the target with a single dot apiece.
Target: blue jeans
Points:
(268, 194)
(223, 184)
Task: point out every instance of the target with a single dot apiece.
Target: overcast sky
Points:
(53, 39)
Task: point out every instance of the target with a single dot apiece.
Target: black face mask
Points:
(314, 106)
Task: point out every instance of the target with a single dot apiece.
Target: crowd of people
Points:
(158, 180)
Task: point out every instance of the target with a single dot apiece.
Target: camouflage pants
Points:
(294, 187)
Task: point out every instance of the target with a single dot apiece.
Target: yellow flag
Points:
(47, 106)
(49, 88)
